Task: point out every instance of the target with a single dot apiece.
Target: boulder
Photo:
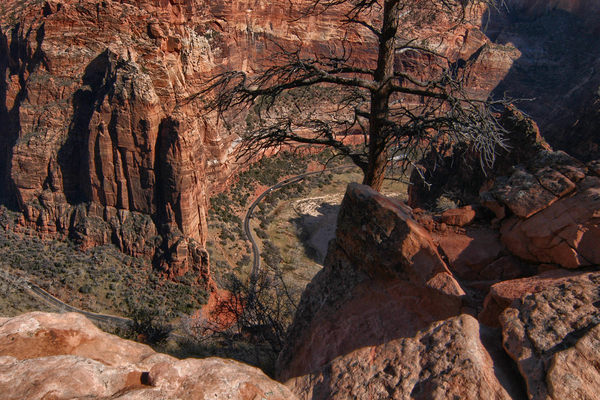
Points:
(470, 253)
(554, 200)
(459, 216)
(383, 319)
(567, 233)
(447, 360)
(553, 336)
(523, 194)
(383, 279)
(64, 356)
(502, 294)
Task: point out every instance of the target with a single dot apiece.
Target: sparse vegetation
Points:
(101, 279)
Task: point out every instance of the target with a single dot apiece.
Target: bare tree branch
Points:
(408, 96)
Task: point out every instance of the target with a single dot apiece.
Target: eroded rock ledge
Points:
(398, 311)
(64, 356)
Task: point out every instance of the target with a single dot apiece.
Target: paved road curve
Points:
(53, 301)
(248, 231)
(124, 322)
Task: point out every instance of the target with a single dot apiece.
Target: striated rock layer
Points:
(95, 142)
(64, 356)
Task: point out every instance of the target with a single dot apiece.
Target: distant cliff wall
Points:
(99, 141)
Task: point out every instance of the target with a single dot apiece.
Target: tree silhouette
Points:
(407, 96)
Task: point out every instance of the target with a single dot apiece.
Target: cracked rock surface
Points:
(554, 337)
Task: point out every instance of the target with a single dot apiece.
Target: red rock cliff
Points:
(97, 138)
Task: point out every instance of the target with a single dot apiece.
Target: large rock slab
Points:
(64, 356)
(383, 319)
(553, 334)
(470, 253)
(566, 233)
(444, 361)
(502, 294)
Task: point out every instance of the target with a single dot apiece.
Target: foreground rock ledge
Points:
(383, 319)
(554, 336)
(65, 356)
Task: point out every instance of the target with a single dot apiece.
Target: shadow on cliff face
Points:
(7, 133)
(73, 156)
(558, 73)
(16, 58)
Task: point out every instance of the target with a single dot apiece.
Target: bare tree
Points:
(407, 96)
(251, 319)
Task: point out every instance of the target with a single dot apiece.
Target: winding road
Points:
(248, 231)
(53, 301)
(124, 322)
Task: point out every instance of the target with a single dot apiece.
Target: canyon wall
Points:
(99, 141)
(556, 74)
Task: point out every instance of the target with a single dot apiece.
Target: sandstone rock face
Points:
(553, 337)
(94, 94)
(97, 146)
(64, 356)
(383, 318)
(554, 199)
(446, 361)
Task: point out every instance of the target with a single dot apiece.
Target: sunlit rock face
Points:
(64, 356)
(96, 142)
(97, 126)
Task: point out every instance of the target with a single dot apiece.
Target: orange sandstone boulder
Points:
(459, 216)
(64, 356)
(447, 360)
(468, 254)
(567, 233)
(383, 319)
(502, 294)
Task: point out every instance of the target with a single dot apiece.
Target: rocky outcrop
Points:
(553, 200)
(64, 356)
(447, 360)
(383, 317)
(553, 337)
